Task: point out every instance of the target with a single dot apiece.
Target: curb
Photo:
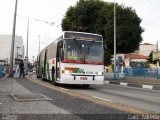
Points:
(144, 86)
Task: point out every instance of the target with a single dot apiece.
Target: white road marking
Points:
(106, 82)
(102, 99)
(63, 88)
(123, 83)
(0, 103)
(147, 86)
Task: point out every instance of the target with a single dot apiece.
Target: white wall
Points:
(146, 49)
(5, 47)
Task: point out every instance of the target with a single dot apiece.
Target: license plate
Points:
(83, 78)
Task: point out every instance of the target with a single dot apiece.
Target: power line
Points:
(47, 22)
(135, 2)
(139, 3)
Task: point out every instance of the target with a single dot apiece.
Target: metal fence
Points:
(1, 70)
(143, 72)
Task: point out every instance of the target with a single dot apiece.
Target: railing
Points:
(1, 70)
(143, 72)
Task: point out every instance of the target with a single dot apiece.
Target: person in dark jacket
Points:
(21, 68)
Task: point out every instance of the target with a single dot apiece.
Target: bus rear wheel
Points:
(53, 77)
(42, 75)
(53, 80)
(38, 76)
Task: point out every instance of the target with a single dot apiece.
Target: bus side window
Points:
(60, 50)
(62, 54)
(60, 44)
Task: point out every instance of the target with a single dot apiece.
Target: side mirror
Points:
(60, 44)
(74, 38)
(105, 47)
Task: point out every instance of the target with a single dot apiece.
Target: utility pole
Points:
(158, 58)
(27, 40)
(39, 44)
(13, 41)
(33, 61)
(26, 64)
(114, 40)
(157, 45)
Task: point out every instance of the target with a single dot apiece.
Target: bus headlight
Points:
(66, 71)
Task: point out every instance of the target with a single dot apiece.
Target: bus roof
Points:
(70, 32)
(81, 32)
(81, 36)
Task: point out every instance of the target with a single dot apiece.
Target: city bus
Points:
(74, 58)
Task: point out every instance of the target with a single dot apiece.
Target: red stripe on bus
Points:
(53, 61)
(71, 69)
(97, 63)
(81, 62)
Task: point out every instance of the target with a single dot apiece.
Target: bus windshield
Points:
(82, 51)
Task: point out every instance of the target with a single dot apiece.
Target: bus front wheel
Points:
(86, 85)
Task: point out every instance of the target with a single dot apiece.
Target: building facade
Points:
(5, 49)
(146, 48)
(133, 60)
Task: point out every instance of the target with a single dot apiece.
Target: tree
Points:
(97, 16)
(150, 59)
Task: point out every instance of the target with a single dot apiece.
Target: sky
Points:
(52, 11)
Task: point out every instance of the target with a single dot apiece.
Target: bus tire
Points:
(42, 75)
(38, 76)
(86, 85)
(53, 76)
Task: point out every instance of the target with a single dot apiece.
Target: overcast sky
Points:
(54, 11)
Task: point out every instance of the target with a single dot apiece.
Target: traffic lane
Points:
(137, 90)
(139, 98)
(124, 88)
(72, 104)
(130, 92)
(146, 95)
(141, 94)
(96, 99)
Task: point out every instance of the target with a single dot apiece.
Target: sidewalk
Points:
(153, 84)
(18, 102)
(15, 99)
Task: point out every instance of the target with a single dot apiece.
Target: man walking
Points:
(21, 68)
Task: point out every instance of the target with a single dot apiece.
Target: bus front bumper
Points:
(76, 79)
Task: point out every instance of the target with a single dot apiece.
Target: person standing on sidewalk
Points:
(21, 68)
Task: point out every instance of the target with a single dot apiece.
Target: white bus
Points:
(74, 58)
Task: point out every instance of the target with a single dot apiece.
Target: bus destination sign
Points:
(82, 36)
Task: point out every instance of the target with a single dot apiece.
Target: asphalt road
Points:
(140, 98)
(146, 99)
(86, 108)
(75, 106)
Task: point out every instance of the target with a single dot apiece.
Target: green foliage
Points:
(150, 60)
(97, 16)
